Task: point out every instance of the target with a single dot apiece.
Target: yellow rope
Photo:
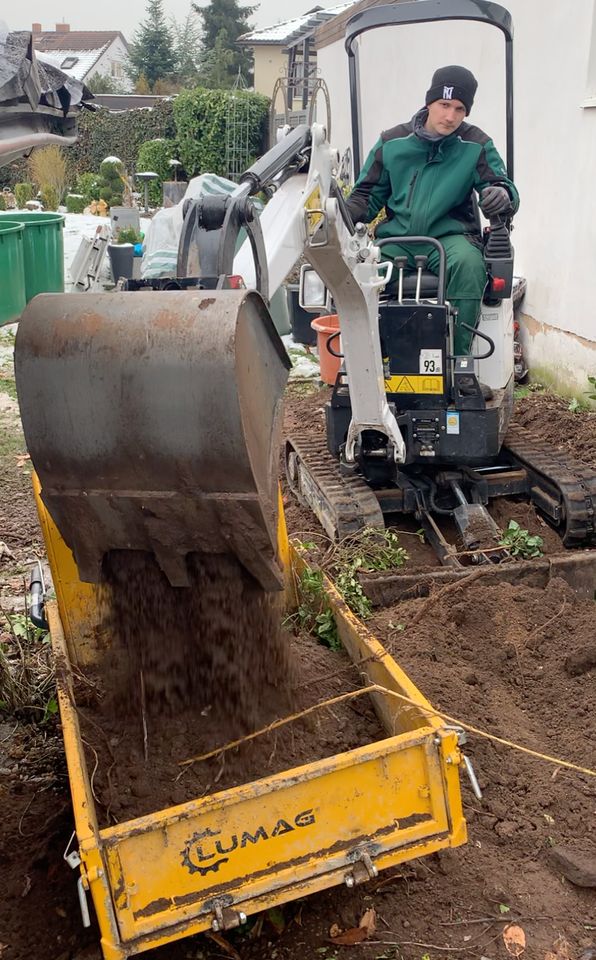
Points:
(376, 688)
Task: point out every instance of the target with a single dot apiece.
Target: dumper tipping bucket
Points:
(153, 421)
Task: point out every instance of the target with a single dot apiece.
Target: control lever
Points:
(400, 263)
(420, 262)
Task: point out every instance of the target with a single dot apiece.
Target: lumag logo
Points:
(204, 853)
(447, 93)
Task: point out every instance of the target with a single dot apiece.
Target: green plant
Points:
(592, 382)
(88, 186)
(111, 181)
(155, 156)
(520, 542)
(201, 118)
(128, 235)
(351, 589)
(314, 614)
(75, 203)
(2, 202)
(49, 198)
(24, 192)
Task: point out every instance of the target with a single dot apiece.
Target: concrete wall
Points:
(115, 54)
(270, 63)
(555, 148)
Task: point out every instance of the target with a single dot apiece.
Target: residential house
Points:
(555, 146)
(286, 49)
(85, 53)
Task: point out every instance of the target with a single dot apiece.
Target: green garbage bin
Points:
(12, 271)
(44, 251)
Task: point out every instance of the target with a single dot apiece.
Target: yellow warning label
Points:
(414, 383)
(313, 207)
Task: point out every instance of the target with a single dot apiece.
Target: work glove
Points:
(494, 200)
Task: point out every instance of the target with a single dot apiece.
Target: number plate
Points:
(431, 361)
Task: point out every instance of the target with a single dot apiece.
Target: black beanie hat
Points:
(452, 83)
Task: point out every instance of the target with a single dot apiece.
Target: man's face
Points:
(445, 116)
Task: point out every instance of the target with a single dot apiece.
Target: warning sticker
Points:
(413, 383)
(452, 422)
(313, 210)
(431, 361)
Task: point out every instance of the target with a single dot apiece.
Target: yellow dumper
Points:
(151, 429)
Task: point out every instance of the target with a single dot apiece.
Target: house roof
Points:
(75, 63)
(82, 47)
(331, 32)
(50, 40)
(289, 31)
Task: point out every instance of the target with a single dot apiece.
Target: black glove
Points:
(494, 200)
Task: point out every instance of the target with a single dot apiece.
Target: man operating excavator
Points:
(423, 173)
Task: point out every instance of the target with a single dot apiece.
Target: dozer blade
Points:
(153, 421)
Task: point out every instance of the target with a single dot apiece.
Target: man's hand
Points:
(494, 200)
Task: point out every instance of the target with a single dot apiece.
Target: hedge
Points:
(103, 134)
(201, 116)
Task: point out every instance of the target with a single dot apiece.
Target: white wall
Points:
(555, 147)
(116, 53)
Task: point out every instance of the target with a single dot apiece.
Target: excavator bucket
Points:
(153, 421)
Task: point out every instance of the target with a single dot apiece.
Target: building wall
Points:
(270, 63)
(112, 63)
(555, 148)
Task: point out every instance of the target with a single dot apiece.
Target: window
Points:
(116, 69)
(69, 62)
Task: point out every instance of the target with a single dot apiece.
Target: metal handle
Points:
(416, 241)
(483, 336)
(339, 356)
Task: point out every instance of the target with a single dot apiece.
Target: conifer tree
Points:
(152, 50)
(221, 59)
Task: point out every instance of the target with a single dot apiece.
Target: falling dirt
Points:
(215, 644)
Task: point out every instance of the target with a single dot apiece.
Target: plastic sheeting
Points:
(38, 102)
(160, 253)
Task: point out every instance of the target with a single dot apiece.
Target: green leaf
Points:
(503, 908)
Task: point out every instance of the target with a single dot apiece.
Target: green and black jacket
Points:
(426, 186)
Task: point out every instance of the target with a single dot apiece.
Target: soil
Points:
(515, 660)
(130, 781)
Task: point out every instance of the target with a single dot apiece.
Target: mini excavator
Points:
(408, 428)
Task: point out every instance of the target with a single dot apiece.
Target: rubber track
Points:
(350, 500)
(575, 482)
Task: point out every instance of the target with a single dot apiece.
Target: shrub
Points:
(128, 235)
(201, 117)
(23, 193)
(155, 156)
(75, 203)
(49, 198)
(48, 170)
(111, 174)
(88, 186)
(2, 202)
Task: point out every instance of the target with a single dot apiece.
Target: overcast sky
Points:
(116, 15)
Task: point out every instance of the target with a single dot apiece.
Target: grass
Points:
(7, 385)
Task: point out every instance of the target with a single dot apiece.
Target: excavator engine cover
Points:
(153, 421)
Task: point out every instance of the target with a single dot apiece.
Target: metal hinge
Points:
(363, 870)
(226, 918)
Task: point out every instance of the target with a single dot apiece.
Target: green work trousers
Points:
(466, 279)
